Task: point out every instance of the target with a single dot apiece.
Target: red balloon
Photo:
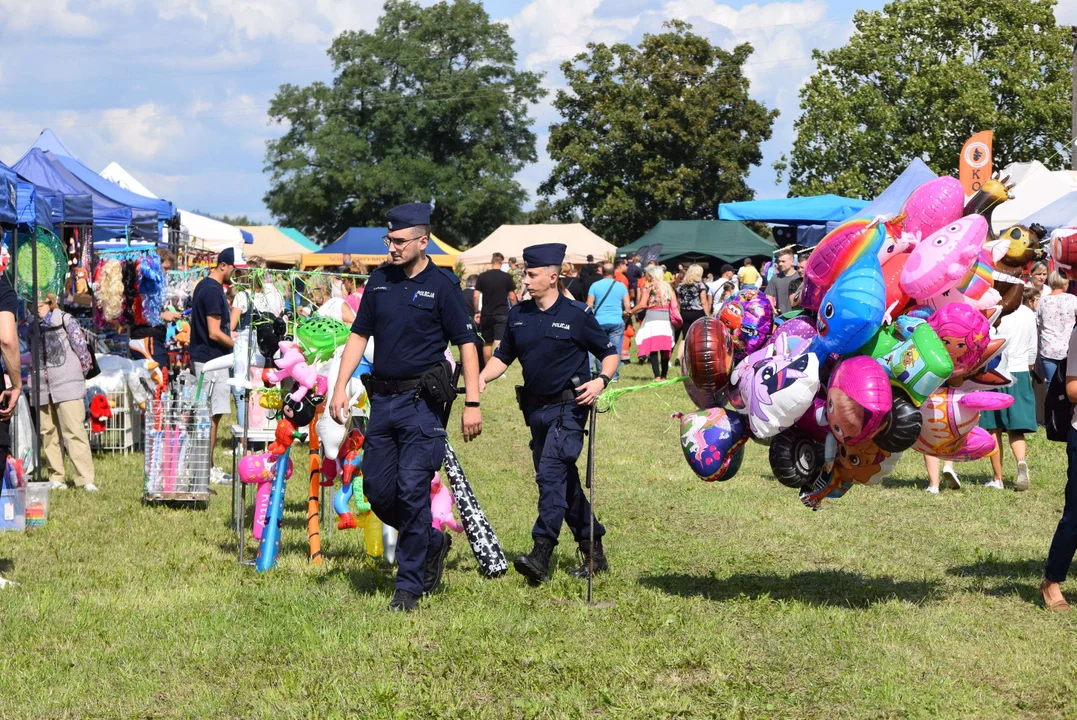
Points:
(891, 275)
(708, 352)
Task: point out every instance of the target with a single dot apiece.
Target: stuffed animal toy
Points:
(183, 333)
(100, 412)
(292, 364)
(82, 281)
(441, 503)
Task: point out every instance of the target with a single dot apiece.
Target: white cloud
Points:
(140, 131)
(314, 21)
(53, 17)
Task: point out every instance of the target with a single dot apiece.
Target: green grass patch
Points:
(730, 600)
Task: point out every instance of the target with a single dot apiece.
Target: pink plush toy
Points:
(292, 364)
(944, 258)
(261, 469)
(441, 502)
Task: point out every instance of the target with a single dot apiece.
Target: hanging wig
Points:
(152, 288)
(110, 290)
(130, 291)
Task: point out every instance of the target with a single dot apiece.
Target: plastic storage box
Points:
(37, 504)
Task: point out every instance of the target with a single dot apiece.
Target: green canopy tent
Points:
(703, 241)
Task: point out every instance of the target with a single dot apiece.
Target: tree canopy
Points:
(230, 219)
(662, 131)
(918, 78)
(428, 106)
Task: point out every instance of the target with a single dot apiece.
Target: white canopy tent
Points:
(204, 232)
(1037, 188)
(510, 241)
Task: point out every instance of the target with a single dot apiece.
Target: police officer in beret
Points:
(414, 310)
(552, 336)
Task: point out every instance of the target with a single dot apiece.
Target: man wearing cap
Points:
(726, 277)
(413, 310)
(552, 336)
(210, 339)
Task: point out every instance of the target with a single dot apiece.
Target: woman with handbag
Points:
(695, 302)
(59, 389)
(654, 339)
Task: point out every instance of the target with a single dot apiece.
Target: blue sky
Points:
(176, 90)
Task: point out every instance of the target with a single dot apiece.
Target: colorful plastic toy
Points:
(934, 205)
(260, 470)
(964, 333)
(942, 259)
(351, 463)
(949, 430)
(292, 364)
(319, 337)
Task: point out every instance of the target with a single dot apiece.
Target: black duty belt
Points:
(527, 398)
(388, 387)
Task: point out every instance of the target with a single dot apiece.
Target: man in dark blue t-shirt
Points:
(210, 340)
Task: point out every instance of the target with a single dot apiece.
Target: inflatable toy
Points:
(260, 469)
(933, 206)
(441, 505)
(857, 400)
(964, 333)
(796, 459)
(703, 399)
(757, 324)
(319, 337)
(1063, 248)
(773, 388)
(731, 314)
(901, 427)
(949, 430)
(351, 463)
(292, 364)
(711, 440)
(852, 310)
(708, 353)
(841, 248)
(991, 194)
(897, 300)
(912, 355)
(942, 259)
(797, 333)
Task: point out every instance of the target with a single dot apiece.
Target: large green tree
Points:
(429, 105)
(918, 78)
(662, 131)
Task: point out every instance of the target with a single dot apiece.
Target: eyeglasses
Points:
(389, 241)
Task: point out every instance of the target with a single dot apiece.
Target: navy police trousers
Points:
(556, 443)
(404, 447)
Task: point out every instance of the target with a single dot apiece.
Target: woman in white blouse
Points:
(1019, 327)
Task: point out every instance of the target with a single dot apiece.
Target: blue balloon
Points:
(852, 309)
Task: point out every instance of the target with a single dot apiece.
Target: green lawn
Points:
(730, 600)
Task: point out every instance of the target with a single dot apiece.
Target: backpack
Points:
(1058, 410)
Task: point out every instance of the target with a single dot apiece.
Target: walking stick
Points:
(591, 499)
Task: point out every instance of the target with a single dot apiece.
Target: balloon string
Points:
(608, 399)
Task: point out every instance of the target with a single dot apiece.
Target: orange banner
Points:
(976, 161)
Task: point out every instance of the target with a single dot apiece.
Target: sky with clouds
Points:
(176, 91)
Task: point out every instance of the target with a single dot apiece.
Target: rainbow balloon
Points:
(842, 248)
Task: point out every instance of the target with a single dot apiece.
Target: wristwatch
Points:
(468, 403)
(605, 380)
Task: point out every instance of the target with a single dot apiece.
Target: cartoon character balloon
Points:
(711, 440)
(773, 388)
(852, 309)
(934, 205)
(944, 258)
(950, 432)
(758, 322)
(841, 248)
(964, 333)
(1063, 247)
(796, 458)
(857, 400)
(708, 351)
(901, 427)
(913, 356)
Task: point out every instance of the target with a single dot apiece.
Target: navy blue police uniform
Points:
(412, 320)
(552, 347)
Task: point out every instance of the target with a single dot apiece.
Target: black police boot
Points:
(535, 566)
(435, 564)
(601, 566)
(404, 601)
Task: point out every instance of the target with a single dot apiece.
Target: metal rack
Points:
(177, 465)
(120, 429)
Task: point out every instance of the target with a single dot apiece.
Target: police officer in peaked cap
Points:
(552, 336)
(414, 310)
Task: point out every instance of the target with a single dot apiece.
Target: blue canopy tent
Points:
(892, 199)
(45, 169)
(111, 190)
(793, 211)
(8, 195)
(32, 210)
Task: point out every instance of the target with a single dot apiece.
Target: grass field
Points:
(730, 600)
